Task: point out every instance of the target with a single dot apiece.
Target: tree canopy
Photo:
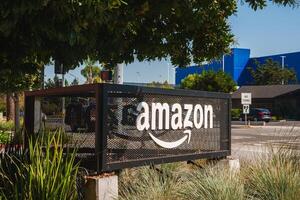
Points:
(36, 32)
(115, 31)
(16, 80)
(271, 73)
(209, 81)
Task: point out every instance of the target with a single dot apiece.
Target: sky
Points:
(273, 30)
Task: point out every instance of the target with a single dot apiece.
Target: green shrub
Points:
(6, 126)
(39, 173)
(4, 137)
(274, 118)
(236, 113)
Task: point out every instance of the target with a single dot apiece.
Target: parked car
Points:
(258, 114)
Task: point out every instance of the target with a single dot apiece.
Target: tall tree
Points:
(271, 73)
(91, 72)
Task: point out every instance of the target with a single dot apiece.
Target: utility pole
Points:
(282, 66)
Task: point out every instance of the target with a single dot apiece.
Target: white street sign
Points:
(246, 98)
(246, 109)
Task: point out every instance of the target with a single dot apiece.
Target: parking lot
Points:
(248, 141)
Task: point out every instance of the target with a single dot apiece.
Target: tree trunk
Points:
(17, 111)
(10, 108)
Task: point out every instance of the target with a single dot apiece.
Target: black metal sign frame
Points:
(103, 94)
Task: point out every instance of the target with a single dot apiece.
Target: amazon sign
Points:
(171, 117)
(152, 125)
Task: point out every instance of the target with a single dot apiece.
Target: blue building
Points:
(237, 63)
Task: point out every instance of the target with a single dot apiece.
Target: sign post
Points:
(246, 101)
(246, 109)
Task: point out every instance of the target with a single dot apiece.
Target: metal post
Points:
(282, 66)
(246, 120)
(63, 100)
(223, 63)
(168, 73)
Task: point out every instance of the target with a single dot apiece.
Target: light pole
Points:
(282, 66)
(174, 75)
(168, 73)
(118, 75)
(223, 63)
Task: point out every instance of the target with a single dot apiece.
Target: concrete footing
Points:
(232, 163)
(101, 187)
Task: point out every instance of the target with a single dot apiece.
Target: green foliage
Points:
(115, 31)
(236, 113)
(6, 134)
(35, 33)
(4, 137)
(75, 82)
(271, 73)
(39, 174)
(148, 183)
(12, 80)
(213, 184)
(209, 81)
(55, 82)
(52, 83)
(91, 72)
(275, 178)
(164, 85)
(260, 4)
(6, 126)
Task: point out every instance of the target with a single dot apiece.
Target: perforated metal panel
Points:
(127, 145)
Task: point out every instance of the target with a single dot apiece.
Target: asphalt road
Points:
(272, 123)
(248, 142)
